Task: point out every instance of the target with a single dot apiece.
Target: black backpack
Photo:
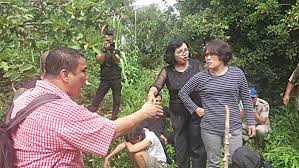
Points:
(7, 152)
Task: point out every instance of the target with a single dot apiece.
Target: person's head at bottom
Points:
(243, 157)
(135, 135)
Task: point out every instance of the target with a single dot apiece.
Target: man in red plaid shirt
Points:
(56, 134)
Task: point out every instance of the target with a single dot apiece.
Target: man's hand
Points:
(107, 163)
(285, 99)
(251, 130)
(287, 93)
(150, 110)
(260, 119)
(200, 111)
(106, 44)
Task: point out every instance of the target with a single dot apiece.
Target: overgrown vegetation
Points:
(282, 143)
(264, 35)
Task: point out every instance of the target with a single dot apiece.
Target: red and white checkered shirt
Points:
(56, 134)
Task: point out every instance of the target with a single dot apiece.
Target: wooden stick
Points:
(226, 138)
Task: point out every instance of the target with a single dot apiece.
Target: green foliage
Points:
(147, 29)
(29, 28)
(263, 35)
(282, 148)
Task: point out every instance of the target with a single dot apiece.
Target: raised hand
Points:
(151, 110)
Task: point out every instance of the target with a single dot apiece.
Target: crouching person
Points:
(144, 148)
(261, 113)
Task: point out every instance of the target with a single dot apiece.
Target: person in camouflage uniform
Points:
(293, 80)
(261, 113)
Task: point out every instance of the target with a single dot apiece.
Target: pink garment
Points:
(56, 134)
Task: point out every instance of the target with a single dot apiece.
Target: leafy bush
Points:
(282, 148)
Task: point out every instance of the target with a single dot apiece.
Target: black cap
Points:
(244, 157)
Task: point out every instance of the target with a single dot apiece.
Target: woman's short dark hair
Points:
(172, 45)
(220, 48)
(62, 58)
(136, 134)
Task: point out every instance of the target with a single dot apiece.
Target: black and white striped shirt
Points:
(215, 93)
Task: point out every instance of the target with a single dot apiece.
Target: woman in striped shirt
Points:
(219, 85)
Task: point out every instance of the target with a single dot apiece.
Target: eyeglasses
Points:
(182, 51)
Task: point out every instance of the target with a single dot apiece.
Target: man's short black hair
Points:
(109, 32)
(62, 58)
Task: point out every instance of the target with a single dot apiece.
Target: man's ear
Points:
(64, 74)
(44, 68)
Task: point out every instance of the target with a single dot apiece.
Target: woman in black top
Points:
(180, 68)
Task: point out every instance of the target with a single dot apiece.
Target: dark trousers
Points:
(187, 140)
(105, 85)
(197, 152)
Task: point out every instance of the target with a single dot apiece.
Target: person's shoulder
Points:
(29, 84)
(234, 68)
(194, 61)
(262, 101)
(167, 68)
(117, 51)
(203, 73)
(151, 136)
(149, 133)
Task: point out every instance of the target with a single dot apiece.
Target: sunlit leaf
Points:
(25, 67)
(4, 65)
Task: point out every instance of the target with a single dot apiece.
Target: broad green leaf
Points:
(15, 76)
(25, 67)
(4, 65)
(9, 74)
